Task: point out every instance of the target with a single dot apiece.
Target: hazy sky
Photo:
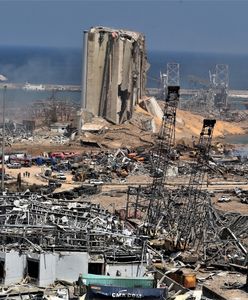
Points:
(206, 26)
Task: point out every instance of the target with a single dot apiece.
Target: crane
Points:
(191, 218)
(162, 155)
(151, 199)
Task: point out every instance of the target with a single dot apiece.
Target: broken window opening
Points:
(2, 270)
(124, 96)
(96, 268)
(33, 268)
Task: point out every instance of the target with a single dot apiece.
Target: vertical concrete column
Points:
(84, 78)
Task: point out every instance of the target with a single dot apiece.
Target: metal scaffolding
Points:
(162, 154)
(173, 76)
(148, 202)
(192, 217)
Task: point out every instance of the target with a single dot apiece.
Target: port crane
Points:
(162, 155)
(192, 216)
(185, 213)
(151, 200)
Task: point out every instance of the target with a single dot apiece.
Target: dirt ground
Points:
(132, 133)
(218, 281)
(191, 124)
(115, 194)
(35, 177)
(234, 205)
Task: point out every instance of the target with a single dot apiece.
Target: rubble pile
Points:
(37, 139)
(242, 195)
(20, 135)
(15, 132)
(184, 218)
(236, 168)
(37, 223)
(235, 116)
(170, 222)
(210, 235)
(108, 166)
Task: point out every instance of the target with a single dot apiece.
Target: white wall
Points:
(126, 270)
(58, 266)
(47, 273)
(14, 267)
(70, 264)
(58, 130)
(52, 266)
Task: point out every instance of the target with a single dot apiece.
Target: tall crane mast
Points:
(170, 78)
(220, 82)
(191, 219)
(137, 197)
(162, 155)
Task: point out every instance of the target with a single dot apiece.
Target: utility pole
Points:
(3, 136)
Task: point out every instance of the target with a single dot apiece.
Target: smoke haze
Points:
(41, 65)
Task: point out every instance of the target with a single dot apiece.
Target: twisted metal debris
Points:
(46, 224)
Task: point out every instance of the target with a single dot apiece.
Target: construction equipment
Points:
(192, 216)
(170, 78)
(147, 202)
(162, 155)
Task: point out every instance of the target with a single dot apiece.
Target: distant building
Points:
(29, 125)
(33, 87)
(115, 72)
(59, 127)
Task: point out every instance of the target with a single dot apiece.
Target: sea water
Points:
(64, 65)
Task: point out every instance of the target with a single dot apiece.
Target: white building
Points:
(33, 87)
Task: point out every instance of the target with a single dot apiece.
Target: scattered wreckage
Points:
(172, 231)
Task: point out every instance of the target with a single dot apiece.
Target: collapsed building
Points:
(48, 238)
(44, 239)
(115, 72)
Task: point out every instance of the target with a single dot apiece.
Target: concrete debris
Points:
(184, 220)
(175, 222)
(105, 188)
(19, 134)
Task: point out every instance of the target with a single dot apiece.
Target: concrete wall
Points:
(95, 70)
(47, 274)
(58, 266)
(126, 270)
(52, 266)
(14, 266)
(70, 264)
(116, 72)
(61, 266)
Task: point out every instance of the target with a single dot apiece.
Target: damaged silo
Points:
(116, 66)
